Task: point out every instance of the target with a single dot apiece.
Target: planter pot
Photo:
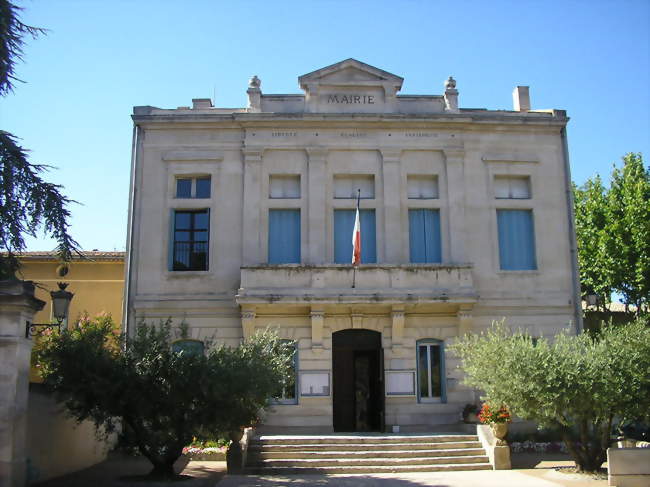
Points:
(500, 430)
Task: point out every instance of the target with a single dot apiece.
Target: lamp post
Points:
(60, 306)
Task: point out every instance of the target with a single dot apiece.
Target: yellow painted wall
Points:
(97, 284)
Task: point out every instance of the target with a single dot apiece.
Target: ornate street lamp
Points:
(60, 306)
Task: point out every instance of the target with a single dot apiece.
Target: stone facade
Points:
(262, 245)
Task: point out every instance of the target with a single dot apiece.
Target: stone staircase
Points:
(365, 453)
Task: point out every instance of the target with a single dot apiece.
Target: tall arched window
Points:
(431, 370)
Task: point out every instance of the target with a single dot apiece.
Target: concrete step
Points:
(368, 469)
(376, 439)
(372, 462)
(314, 454)
(353, 447)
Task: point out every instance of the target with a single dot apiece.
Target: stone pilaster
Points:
(316, 202)
(17, 306)
(465, 320)
(317, 321)
(456, 196)
(398, 316)
(248, 323)
(394, 251)
(251, 239)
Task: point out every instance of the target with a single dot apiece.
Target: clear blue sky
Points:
(102, 57)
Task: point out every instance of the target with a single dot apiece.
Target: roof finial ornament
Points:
(450, 84)
(254, 82)
(451, 95)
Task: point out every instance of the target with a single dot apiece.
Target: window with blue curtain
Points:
(424, 236)
(516, 240)
(284, 236)
(343, 227)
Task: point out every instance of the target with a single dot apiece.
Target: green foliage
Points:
(27, 202)
(164, 398)
(613, 234)
(574, 384)
(12, 31)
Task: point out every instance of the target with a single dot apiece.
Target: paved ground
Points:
(530, 470)
(118, 469)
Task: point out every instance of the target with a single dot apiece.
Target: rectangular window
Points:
(196, 187)
(512, 187)
(286, 393)
(424, 236)
(516, 240)
(281, 186)
(343, 227)
(422, 187)
(430, 371)
(284, 237)
(190, 240)
(347, 186)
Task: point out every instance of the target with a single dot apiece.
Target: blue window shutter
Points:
(343, 227)
(284, 236)
(516, 240)
(368, 237)
(424, 236)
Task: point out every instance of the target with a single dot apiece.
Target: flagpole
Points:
(354, 266)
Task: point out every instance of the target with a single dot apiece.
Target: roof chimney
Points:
(521, 99)
(198, 103)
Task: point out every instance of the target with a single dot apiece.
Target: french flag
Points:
(356, 237)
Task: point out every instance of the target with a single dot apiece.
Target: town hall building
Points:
(242, 219)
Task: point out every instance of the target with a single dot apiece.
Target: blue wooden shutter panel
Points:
(284, 237)
(424, 236)
(516, 240)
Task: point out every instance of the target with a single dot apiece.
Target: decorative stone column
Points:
(316, 202)
(456, 196)
(252, 245)
(394, 250)
(17, 306)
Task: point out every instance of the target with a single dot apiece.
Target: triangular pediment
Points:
(350, 73)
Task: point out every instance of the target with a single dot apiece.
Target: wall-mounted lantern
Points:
(60, 307)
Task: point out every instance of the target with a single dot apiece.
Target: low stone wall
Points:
(628, 467)
(499, 455)
(57, 444)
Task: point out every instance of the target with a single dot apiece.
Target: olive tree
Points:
(578, 385)
(163, 397)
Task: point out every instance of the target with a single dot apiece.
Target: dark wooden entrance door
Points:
(357, 364)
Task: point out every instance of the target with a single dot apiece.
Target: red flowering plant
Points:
(489, 415)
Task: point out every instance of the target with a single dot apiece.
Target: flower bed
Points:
(537, 447)
(210, 454)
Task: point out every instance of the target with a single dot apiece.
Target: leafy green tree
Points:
(613, 234)
(164, 398)
(590, 203)
(627, 233)
(27, 202)
(578, 385)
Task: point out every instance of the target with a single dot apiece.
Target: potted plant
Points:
(498, 420)
(470, 413)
